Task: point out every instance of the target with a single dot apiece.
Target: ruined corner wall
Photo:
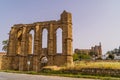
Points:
(0, 61)
(4, 62)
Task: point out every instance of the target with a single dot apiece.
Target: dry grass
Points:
(52, 67)
(88, 64)
(96, 64)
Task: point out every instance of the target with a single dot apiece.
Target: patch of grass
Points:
(97, 64)
(60, 73)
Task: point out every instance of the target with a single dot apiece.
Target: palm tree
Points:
(5, 45)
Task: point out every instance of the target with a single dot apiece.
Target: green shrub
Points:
(75, 57)
(80, 56)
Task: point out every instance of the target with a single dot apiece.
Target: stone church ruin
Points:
(22, 55)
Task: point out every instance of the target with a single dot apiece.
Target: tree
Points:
(111, 56)
(5, 45)
(116, 50)
(119, 49)
(109, 52)
(81, 56)
(93, 53)
(85, 56)
(75, 57)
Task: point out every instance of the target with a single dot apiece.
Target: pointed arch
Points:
(44, 38)
(59, 40)
(31, 42)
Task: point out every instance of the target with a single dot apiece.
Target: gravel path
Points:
(14, 76)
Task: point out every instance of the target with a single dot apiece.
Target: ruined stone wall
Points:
(19, 47)
(4, 62)
(0, 61)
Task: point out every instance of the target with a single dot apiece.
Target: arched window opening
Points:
(59, 40)
(44, 38)
(31, 42)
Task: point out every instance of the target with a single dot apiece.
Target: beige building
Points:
(96, 50)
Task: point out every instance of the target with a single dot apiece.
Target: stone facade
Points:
(20, 50)
(97, 49)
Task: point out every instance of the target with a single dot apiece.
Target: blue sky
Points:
(94, 21)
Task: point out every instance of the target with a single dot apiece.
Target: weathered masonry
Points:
(20, 44)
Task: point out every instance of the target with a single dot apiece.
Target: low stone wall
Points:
(95, 71)
(102, 72)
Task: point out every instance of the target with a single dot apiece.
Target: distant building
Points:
(104, 57)
(116, 57)
(96, 50)
(2, 53)
(84, 51)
